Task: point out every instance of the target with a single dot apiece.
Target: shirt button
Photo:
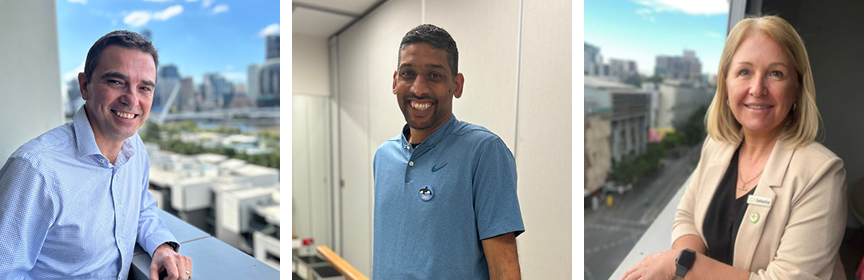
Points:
(408, 147)
(411, 163)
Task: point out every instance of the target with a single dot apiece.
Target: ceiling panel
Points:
(317, 23)
(355, 7)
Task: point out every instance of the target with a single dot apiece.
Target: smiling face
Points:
(762, 85)
(119, 93)
(424, 86)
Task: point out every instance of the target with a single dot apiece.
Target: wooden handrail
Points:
(339, 264)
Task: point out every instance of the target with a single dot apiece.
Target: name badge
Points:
(758, 200)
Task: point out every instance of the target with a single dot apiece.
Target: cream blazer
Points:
(798, 235)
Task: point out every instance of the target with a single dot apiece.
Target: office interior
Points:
(516, 59)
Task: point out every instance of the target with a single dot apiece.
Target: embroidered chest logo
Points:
(436, 168)
(426, 193)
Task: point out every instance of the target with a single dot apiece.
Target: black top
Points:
(724, 215)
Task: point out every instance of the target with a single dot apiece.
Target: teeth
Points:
(420, 106)
(756, 107)
(124, 115)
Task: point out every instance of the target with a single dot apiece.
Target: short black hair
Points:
(438, 38)
(123, 38)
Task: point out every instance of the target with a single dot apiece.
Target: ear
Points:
(394, 81)
(82, 85)
(459, 81)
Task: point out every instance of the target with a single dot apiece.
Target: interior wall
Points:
(311, 197)
(544, 143)
(488, 36)
(309, 66)
(29, 73)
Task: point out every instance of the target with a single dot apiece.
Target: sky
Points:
(198, 36)
(641, 30)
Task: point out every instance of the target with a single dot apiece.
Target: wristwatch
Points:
(684, 262)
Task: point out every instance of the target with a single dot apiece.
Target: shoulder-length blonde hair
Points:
(802, 124)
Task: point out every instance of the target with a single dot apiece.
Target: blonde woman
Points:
(765, 201)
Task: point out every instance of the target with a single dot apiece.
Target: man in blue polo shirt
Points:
(445, 190)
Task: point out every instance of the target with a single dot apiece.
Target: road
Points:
(611, 232)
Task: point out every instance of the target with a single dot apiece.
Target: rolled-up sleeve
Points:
(28, 208)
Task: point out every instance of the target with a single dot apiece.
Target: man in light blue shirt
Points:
(74, 200)
(445, 190)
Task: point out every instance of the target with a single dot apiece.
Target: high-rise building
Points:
(623, 69)
(169, 77)
(187, 95)
(217, 90)
(267, 76)
(593, 60)
(272, 46)
(147, 34)
(682, 68)
(252, 80)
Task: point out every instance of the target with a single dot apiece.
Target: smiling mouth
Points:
(124, 115)
(420, 106)
(758, 107)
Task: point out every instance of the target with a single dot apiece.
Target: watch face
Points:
(686, 258)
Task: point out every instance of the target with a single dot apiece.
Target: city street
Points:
(611, 232)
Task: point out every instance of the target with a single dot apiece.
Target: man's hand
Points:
(501, 256)
(178, 267)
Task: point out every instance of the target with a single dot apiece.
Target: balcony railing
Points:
(211, 258)
(656, 239)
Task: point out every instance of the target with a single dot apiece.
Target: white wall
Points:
(530, 112)
(544, 143)
(29, 72)
(311, 196)
(309, 65)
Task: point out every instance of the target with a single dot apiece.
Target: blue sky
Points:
(198, 36)
(642, 29)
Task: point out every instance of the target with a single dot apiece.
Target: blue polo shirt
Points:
(436, 202)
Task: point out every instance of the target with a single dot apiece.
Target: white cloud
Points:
(192, 0)
(207, 3)
(646, 13)
(705, 7)
(140, 18)
(78, 1)
(272, 29)
(168, 13)
(221, 8)
(137, 18)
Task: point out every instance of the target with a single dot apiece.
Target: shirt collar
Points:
(85, 140)
(433, 138)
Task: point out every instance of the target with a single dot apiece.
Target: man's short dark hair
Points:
(438, 38)
(123, 38)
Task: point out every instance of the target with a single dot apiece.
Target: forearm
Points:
(502, 258)
(690, 241)
(706, 268)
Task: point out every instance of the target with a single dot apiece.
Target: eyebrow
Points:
(769, 65)
(118, 75)
(430, 65)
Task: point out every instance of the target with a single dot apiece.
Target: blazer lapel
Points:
(754, 220)
(714, 172)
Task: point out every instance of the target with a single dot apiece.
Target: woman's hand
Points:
(657, 266)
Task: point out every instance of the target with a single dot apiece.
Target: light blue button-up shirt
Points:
(67, 212)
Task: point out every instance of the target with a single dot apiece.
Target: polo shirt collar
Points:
(85, 140)
(435, 137)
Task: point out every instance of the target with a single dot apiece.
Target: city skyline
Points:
(641, 30)
(197, 36)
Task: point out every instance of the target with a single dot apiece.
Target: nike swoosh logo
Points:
(439, 168)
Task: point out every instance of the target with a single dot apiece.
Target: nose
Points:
(420, 87)
(129, 98)
(757, 85)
